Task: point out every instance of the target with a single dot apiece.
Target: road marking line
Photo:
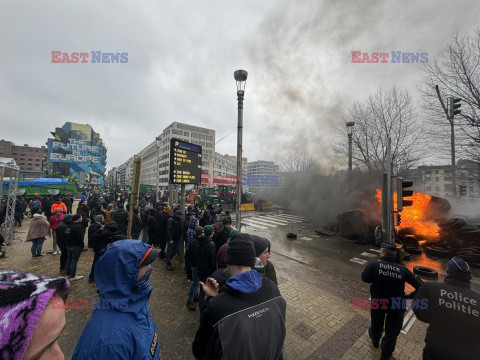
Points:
(261, 223)
(253, 225)
(475, 280)
(306, 238)
(292, 217)
(408, 321)
(375, 250)
(283, 219)
(359, 261)
(264, 218)
(367, 254)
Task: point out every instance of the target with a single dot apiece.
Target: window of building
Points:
(185, 133)
(194, 135)
(209, 152)
(177, 132)
(209, 137)
(201, 143)
(436, 171)
(209, 145)
(202, 137)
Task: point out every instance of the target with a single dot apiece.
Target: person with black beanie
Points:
(236, 316)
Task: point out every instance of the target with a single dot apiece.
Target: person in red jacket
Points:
(54, 221)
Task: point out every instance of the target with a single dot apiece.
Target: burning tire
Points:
(439, 252)
(452, 224)
(412, 249)
(425, 271)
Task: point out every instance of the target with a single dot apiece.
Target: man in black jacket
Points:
(206, 219)
(453, 315)
(206, 260)
(152, 227)
(93, 242)
(174, 235)
(162, 229)
(388, 280)
(246, 318)
(84, 210)
(120, 216)
(75, 245)
(107, 234)
(223, 234)
(62, 233)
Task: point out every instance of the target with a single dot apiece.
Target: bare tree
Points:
(456, 70)
(386, 113)
(299, 160)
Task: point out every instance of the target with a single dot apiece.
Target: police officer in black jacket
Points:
(388, 280)
(453, 315)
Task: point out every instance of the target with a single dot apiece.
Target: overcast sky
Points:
(181, 59)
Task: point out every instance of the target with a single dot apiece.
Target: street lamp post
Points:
(240, 78)
(350, 125)
(158, 168)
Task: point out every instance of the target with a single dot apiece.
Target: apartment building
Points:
(32, 160)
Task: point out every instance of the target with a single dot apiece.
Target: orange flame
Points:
(412, 216)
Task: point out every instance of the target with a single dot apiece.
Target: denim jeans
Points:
(193, 291)
(37, 246)
(145, 235)
(74, 253)
(172, 250)
(54, 235)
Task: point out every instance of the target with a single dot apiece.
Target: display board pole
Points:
(181, 250)
(137, 165)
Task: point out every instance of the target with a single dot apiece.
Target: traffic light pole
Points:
(454, 170)
(450, 112)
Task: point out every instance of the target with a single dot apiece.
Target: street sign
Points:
(185, 163)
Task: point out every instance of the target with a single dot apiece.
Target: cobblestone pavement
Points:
(320, 321)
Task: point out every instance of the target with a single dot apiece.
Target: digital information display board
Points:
(185, 163)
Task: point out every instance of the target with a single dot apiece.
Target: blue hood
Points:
(247, 282)
(116, 273)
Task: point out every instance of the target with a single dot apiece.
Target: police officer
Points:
(453, 313)
(388, 280)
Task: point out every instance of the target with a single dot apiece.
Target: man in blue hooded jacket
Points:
(120, 326)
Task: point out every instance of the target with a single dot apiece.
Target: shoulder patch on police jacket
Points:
(153, 345)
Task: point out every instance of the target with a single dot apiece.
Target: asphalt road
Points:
(334, 254)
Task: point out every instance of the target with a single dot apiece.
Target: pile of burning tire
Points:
(459, 236)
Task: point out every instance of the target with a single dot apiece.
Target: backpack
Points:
(35, 206)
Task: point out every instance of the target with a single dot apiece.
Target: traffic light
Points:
(399, 219)
(454, 103)
(402, 193)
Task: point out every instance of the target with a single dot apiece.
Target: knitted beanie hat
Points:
(208, 230)
(260, 244)
(233, 232)
(23, 298)
(240, 251)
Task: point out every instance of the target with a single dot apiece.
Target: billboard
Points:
(185, 162)
(77, 153)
